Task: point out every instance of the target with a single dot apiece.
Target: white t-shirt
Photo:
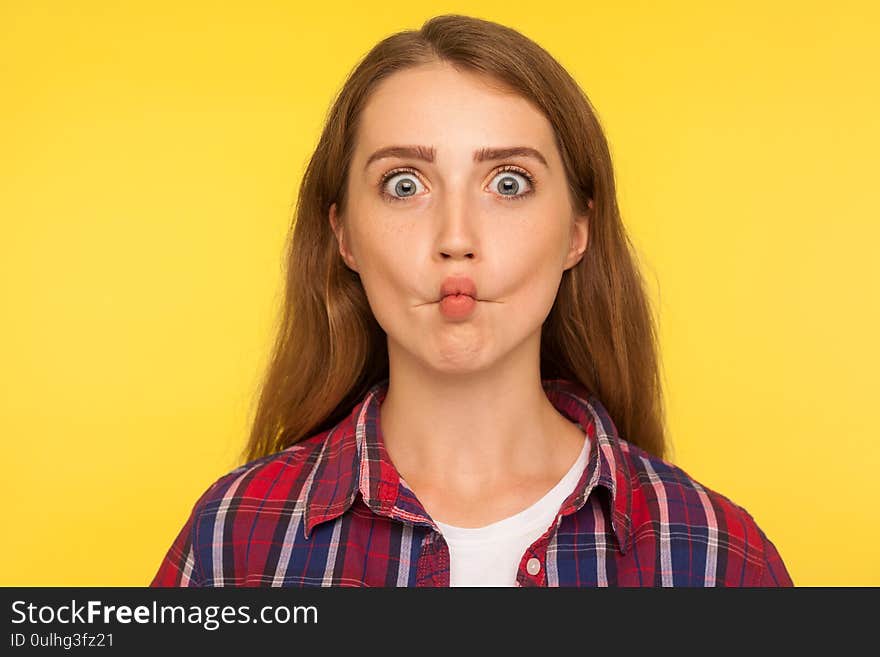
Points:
(490, 555)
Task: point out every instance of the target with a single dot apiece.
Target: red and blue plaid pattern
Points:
(331, 510)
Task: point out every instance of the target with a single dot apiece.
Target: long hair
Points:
(329, 349)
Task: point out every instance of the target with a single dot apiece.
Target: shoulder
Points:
(251, 502)
(279, 476)
(234, 525)
(670, 505)
(255, 497)
(656, 481)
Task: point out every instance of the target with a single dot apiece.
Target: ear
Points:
(580, 235)
(339, 231)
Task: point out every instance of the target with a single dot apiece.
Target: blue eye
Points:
(408, 183)
(405, 186)
(508, 185)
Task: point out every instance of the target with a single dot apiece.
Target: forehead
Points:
(436, 104)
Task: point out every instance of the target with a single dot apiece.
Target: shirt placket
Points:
(433, 565)
(532, 569)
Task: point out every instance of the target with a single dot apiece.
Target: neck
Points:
(475, 432)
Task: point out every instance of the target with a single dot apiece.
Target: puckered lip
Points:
(458, 285)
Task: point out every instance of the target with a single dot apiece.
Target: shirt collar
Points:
(353, 460)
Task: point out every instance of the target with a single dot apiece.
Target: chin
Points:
(460, 361)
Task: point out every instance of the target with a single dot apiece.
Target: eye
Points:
(405, 186)
(509, 183)
(401, 184)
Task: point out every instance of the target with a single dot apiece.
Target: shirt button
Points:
(533, 566)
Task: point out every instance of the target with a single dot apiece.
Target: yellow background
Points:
(151, 154)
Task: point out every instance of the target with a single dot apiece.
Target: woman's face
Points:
(456, 214)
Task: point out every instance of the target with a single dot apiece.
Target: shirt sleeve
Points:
(775, 572)
(180, 566)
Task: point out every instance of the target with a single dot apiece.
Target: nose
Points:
(456, 233)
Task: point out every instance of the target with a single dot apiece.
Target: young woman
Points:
(465, 387)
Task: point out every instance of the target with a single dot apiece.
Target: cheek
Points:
(529, 258)
(532, 292)
(388, 268)
(377, 246)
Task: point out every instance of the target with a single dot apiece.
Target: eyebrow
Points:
(427, 153)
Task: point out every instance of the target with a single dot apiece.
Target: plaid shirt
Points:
(331, 510)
